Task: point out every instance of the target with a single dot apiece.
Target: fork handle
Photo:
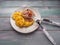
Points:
(49, 37)
(51, 22)
(46, 33)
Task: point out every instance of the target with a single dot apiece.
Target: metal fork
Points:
(51, 22)
(46, 33)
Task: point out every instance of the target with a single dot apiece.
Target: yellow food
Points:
(16, 14)
(20, 21)
(28, 23)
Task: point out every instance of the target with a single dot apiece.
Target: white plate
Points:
(28, 29)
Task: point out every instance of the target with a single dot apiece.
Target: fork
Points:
(46, 33)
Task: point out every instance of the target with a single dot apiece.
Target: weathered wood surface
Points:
(47, 9)
(36, 38)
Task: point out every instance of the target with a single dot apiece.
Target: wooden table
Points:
(47, 9)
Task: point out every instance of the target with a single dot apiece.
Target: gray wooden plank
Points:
(36, 38)
(5, 25)
(7, 10)
(30, 3)
(49, 11)
(56, 36)
(29, 0)
(11, 37)
(20, 3)
(43, 11)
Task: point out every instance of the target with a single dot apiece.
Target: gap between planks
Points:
(42, 16)
(37, 30)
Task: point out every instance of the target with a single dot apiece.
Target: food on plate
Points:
(27, 13)
(19, 21)
(16, 14)
(23, 18)
(28, 22)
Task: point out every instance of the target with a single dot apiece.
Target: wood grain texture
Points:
(30, 3)
(5, 24)
(43, 11)
(36, 38)
(47, 9)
